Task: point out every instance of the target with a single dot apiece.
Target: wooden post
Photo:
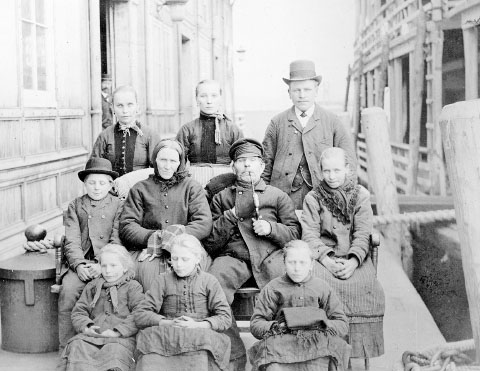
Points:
(382, 71)
(416, 94)
(460, 126)
(349, 76)
(95, 69)
(381, 173)
(396, 117)
(358, 99)
(470, 41)
(438, 177)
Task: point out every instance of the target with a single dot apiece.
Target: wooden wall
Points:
(46, 132)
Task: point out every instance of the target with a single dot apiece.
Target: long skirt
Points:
(200, 360)
(364, 304)
(311, 349)
(319, 364)
(169, 341)
(86, 353)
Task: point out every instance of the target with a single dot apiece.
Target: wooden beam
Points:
(382, 71)
(381, 172)
(460, 126)
(416, 68)
(358, 99)
(470, 47)
(438, 179)
(370, 101)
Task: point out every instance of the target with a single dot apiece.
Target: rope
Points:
(418, 217)
(449, 356)
(40, 246)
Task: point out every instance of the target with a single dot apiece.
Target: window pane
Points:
(40, 11)
(27, 9)
(41, 59)
(28, 55)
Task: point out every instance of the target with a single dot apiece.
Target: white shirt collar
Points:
(305, 119)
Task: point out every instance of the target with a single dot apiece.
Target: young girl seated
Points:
(182, 315)
(336, 223)
(103, 317)
(298, 319)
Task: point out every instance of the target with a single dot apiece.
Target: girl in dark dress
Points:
(182, 315)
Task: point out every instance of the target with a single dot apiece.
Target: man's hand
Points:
(261, 227)
(348, 268)
(144, 255)
(94, 270)
(83, 273)
(331, 265)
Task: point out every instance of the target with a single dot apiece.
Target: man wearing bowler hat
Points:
(295, 138)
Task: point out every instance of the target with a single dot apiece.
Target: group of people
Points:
(150, 280)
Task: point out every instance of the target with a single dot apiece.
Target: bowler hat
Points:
(245, 147)
(99, 166)
(302, 69)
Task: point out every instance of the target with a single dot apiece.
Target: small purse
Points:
(308, 317)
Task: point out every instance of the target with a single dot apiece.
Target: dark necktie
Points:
(303, 114)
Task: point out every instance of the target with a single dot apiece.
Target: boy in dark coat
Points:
(91, 223)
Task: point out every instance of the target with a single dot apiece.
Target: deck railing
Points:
(394, 18)
(400, 152)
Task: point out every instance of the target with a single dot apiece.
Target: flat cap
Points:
(245, 147)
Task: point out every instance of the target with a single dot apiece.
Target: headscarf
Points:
(179, 174)
(217, 116)
(340, 201)
(125, 128)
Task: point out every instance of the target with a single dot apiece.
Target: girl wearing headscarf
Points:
(128, 144)
(166, 204)
(337, 223)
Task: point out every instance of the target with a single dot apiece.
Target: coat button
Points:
(240, 193)
(103, 216)
(241, 218)
(101, 236)
(166, 221)
(289, 153)
(286, 174)
(164, 194)
(166, 207)
(334, 227)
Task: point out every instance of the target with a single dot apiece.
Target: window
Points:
(37, 52)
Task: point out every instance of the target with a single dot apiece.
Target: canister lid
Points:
(31, 265)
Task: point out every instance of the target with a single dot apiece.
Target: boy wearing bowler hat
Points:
(295, 138)
(91, 222)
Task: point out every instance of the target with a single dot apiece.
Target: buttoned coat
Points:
(148, 209)
(286, 142)
(104, 147)
(190, 136)
(98, 224)
(276, 207)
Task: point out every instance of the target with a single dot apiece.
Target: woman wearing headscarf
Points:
(128, 144)
(166, 204)
(208, 138)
